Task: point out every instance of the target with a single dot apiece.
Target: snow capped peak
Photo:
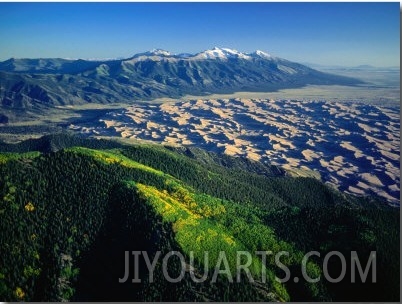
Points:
(155, 55)
(261, 54)
(214, 53)
(221, 53)
(159, 52)
(154, 52)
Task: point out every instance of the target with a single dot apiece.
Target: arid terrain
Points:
(352, 146)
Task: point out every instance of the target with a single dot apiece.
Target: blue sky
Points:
(324, 33)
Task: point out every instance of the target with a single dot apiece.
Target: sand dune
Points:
(371, 179)
(350, 147)
(345, 142)
(356, 190)
(309, 155)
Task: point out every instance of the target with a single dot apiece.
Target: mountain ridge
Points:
(67, 214)
(153, 52)
(34, 83)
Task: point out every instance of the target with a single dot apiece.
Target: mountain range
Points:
(34, 83)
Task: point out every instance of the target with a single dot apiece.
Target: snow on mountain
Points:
(154, 52)
(155, 55)
(260, 54)
(215, 53)
(221, 53)
(159, 52)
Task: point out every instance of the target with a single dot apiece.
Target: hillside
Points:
(31, 84)
(71, 210)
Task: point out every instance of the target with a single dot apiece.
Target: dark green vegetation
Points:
(71, 210)
(32, 85)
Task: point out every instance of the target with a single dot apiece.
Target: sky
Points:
(345, 34)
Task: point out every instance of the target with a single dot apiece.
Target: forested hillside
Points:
(70, 208)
